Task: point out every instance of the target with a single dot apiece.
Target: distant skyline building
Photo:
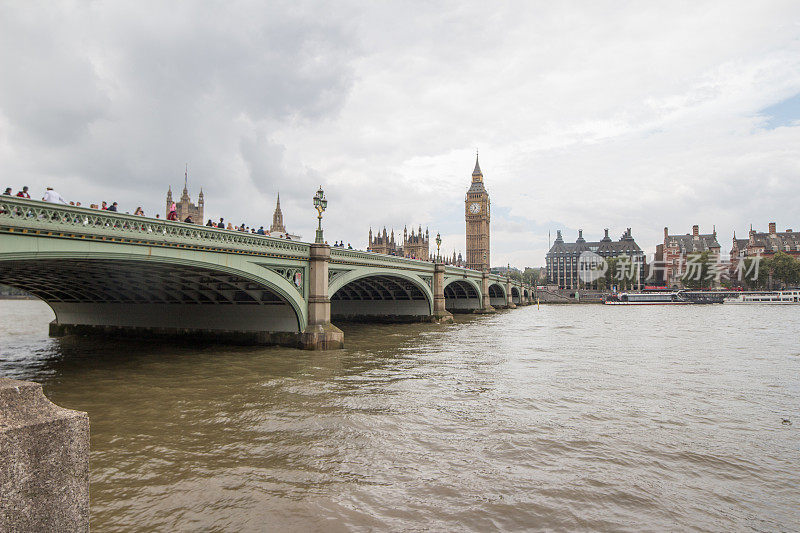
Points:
(563, 259)
(764, 244)
(277, 218)
(184, 207)
(672, 254)
(415, 245)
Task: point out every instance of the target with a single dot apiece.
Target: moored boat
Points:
(791, 296)
(662, 298)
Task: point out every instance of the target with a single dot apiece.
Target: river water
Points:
(560, 418)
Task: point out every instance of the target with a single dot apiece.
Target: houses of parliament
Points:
(477, 214)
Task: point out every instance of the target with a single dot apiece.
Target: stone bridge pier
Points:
(487, 299)
(440, 314)
(320, 334)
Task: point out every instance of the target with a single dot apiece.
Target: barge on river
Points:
(662, 298)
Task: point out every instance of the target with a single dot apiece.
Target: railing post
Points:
(320, 334)
(440, 314)
(44, 462)
(487, 302)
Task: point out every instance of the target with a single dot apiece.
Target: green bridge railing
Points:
(21, 215)
(66, 221)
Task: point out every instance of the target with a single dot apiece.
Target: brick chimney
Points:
(772, 229)
(695, 230)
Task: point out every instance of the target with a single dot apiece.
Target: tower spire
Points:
(277, 219)
(186, 178)
(477, 171)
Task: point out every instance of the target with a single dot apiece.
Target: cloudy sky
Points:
(587, 114)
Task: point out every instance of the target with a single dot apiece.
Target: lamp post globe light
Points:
(320, 203)
(438, 244)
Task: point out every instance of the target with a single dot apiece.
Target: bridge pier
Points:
(320, 334)
(509, 297)
(440, 314)
(487, 308)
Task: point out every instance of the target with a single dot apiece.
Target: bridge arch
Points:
(380, 294)
(158, 293)
(497, 295)
(515, 295)
(462, 295)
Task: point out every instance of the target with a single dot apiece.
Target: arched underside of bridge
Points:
(497, 295)
(515, 296)
(90, 295)
(381, 298)
(461, 297)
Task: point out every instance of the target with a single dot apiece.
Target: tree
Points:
(699, 270)
(530, 275)
(619, 273)
(783, 268)
(755, 272)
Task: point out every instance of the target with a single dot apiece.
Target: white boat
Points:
(791, 296)
(648, 298)
(681, 297)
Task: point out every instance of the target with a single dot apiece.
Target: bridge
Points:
(112, 273)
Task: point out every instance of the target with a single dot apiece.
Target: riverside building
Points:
(766, 244)
(563, 259)
(671, 256)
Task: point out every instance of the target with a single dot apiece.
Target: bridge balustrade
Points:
(56, 220)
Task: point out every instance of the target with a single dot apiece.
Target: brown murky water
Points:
(563, 418)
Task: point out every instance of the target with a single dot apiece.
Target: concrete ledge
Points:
(44, 462)
(442, 317)
(322, 337)
(485, 311)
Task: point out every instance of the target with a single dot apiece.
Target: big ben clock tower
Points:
(477, 211)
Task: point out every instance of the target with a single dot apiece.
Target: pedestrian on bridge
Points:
(8, 192)
(24, 193)
(53, 197)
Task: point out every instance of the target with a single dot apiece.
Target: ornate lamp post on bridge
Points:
(320, 203)
(438, 244)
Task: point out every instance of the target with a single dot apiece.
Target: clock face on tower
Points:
(475, 208)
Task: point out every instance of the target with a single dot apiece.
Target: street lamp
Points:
(320, 203)
(438, 244)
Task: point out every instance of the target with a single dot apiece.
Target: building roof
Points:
(626, 245)
(787, 241)
(693, 243)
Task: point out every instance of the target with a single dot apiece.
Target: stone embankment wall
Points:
(44, 462)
